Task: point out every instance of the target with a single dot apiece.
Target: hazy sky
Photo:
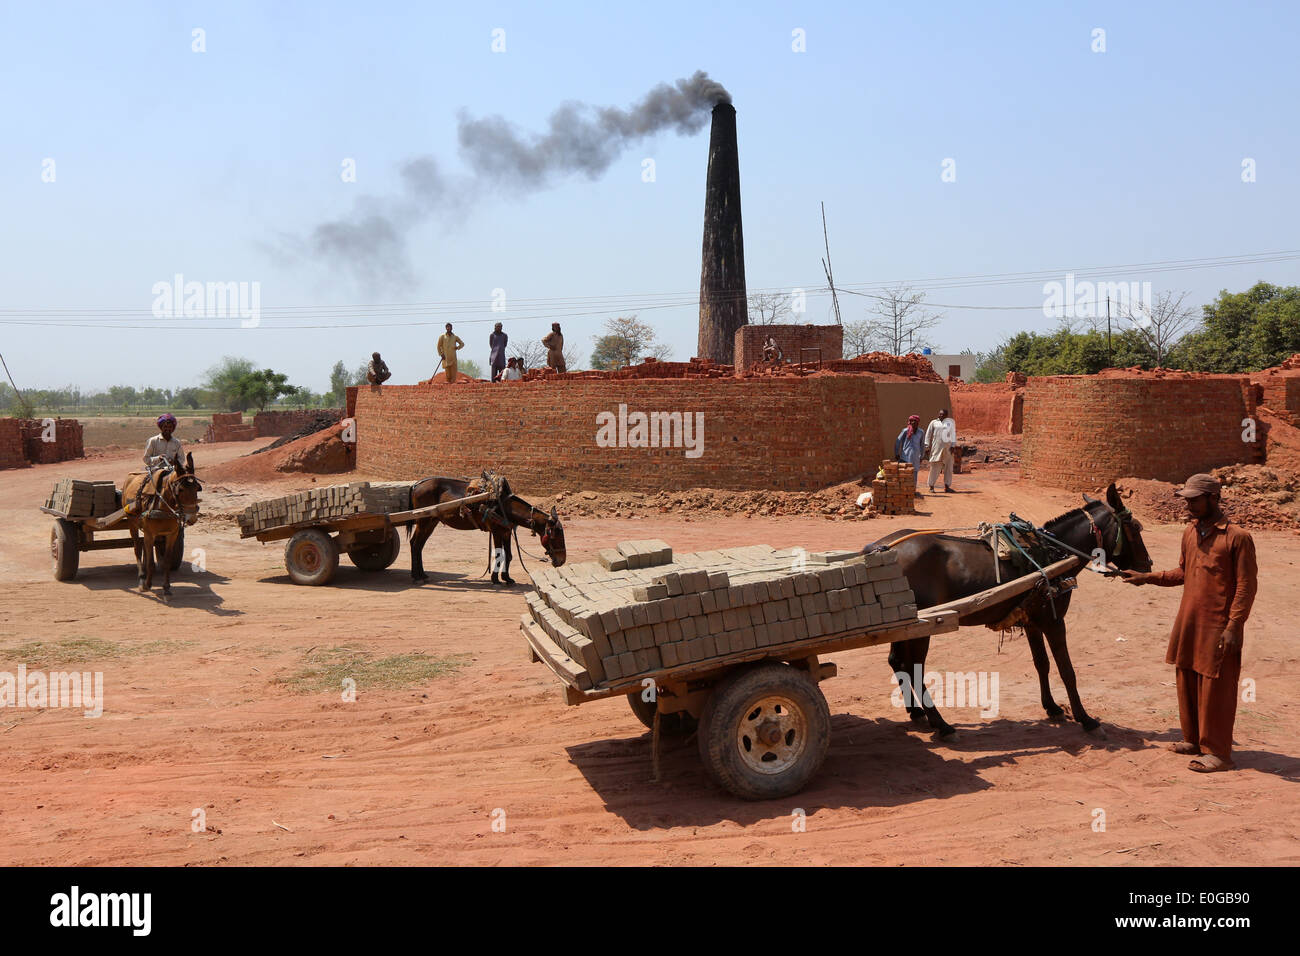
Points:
(218, 165)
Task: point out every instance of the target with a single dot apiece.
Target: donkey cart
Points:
(761, 722)
(370, 539)
(72, 535)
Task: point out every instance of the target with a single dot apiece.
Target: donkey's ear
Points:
(189, 462)
(1089, 499)
(1112, 497)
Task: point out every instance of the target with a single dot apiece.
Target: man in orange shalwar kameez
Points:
(1219, 577)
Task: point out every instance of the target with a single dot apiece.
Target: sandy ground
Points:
(128, 431)
(196, 719)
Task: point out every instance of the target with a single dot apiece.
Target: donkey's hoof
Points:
(917, 716)
(1093, 727)
(508, 582)
(946, 732)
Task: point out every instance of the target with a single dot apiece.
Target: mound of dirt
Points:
(1257, 497)
(838, 502)
(319, 422)
(321, 453)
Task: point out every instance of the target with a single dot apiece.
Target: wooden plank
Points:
(446, 507)
(995, 595)
(560, 663)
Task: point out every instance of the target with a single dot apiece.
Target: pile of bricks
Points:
(13, 452)
(639, 610)
(83, 499)
(895, 494)
(229, 426)
(322, 504)
(288, 421)
(58, 441)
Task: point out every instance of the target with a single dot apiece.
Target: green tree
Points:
(1243, 331)
(625, 340)
(223, 382)
(261, 388)
(469, 367)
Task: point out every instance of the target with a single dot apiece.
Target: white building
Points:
(954, 366)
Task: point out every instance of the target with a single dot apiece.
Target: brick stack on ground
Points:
(229, 426)
(639, 610)
(895, 494)
(83, 499)
(323, 504)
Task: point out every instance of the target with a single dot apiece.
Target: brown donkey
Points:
(160, 505)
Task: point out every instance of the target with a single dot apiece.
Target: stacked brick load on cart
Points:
(323, 504)
(83, 499)
(229, 426)
(895, 494)
(639, 610)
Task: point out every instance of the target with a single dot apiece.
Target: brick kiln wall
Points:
(1083, 431)
(993, 409)
(788, 433)
(1280, 392)
(13, 449)
(790, 338)
(280, 422)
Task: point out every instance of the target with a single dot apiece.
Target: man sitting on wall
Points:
(377, 371)
(514, 372)
(771, 351)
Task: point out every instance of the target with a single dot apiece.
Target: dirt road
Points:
(201, 713)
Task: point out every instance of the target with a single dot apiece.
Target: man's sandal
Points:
(1209, 763)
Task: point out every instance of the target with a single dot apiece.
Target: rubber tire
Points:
(677, 724)
(377, 557)
(178, 557)
(735, 697)
(311, 557)
(65, 555)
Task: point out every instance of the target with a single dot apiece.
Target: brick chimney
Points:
(723, 304)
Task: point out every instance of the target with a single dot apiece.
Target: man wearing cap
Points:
(163, 450)
(940, 436)
(1219, 577)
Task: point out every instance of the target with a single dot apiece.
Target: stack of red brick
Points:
(895, 494)
(1279, 389)
(25, 441)
(997, 408)
(229, 426)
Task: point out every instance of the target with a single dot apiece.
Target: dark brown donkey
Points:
(160, 504)
(499, 517)
(943, 568)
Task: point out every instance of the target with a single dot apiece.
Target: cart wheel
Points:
(178, 556)
(65, 554)
(765, 731)
(677, 724)
(311, 557)
(377, 557)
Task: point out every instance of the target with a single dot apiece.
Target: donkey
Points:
(499, 518)
(160, 504)
(943, 568)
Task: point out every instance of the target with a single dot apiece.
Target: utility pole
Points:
(826, 267)
(1109, 358)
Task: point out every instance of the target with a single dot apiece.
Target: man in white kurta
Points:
(163, 449)
(940, 436)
